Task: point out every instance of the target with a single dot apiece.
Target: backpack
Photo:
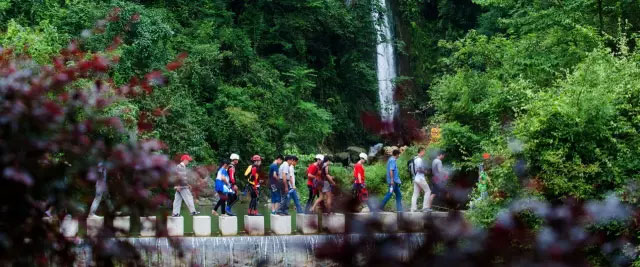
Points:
(247, 173)
(411, 167)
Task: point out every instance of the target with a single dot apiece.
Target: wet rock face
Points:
(202, 186)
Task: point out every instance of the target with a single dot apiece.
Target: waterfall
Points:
(286, 250)
(386, 64)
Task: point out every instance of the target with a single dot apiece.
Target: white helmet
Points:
(234, 156)
(363, 156)
(319, 157)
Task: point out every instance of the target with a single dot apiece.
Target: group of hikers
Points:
(282, 184)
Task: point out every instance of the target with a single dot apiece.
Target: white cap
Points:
(234, 156)
(320, 157)
(363, 156)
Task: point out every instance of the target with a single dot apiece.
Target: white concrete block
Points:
(69, 226)
(175, 226)
(148, 226)
(333, 223)
(389, 221)
(122, 224)
(228, 225)
(280, 225)
(307, 223)
(411, 221)
(202, 225)
(94, 225)
(254, 225)
(357, 222)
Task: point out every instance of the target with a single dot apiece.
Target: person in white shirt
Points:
(183, 191)
(101, 188)
(289, 181)
(420, 184)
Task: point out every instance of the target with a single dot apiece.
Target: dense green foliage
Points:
(261, 76)
(548, 88)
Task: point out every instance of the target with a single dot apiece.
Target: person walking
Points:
(290, 187)
(101, 188)
(440, 176)
(393, 180)
(183, 191)
(254, 184)
(327, 184)
(420, 183)
(223, 188)
(276, 186)
(313, 175)
(284, 177)
(359, 189)
(233, 195)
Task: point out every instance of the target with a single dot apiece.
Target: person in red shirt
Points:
(313, 175)
(233, 197)
(254, 182)
(359, 187)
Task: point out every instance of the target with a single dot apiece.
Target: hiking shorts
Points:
(275, 197)
(438, 188)
(326, 188)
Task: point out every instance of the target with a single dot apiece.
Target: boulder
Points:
(356, 150)
(389, 149)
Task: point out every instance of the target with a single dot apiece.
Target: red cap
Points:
(186, 157)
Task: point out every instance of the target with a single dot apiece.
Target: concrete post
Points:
(69, 226)
(202, 225)
(333, 223)
(280, 225)
(307, 223)
(94, 225)
(228, 225)
(254, 225)
(175, 226)
(148, 226)
(122, 224)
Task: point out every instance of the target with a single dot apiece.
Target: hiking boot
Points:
(175, 215)
(230, 213)
(195, 213)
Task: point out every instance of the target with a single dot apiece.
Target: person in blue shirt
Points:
(393, 180)
(276, 186)
(222, 186)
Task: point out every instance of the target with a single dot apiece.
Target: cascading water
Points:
(386, 64)
(293, 250)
